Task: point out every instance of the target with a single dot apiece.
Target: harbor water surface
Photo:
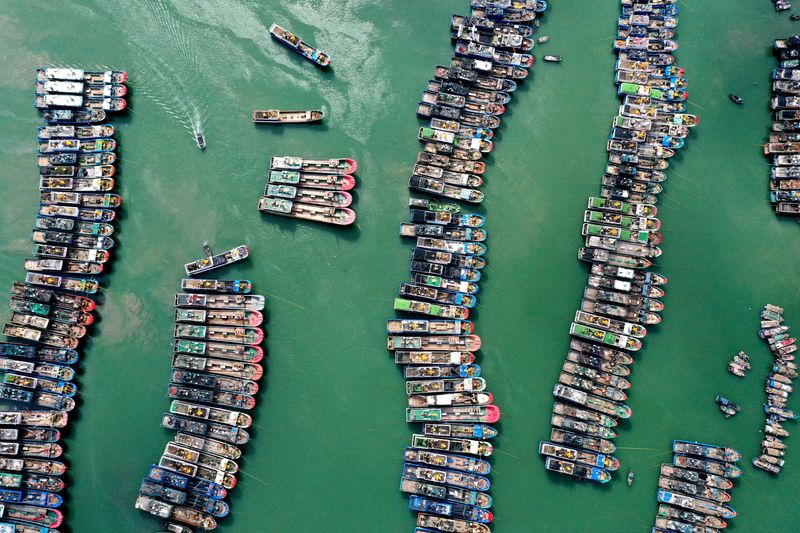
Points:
(329, 430)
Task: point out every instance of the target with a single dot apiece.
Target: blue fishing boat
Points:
(452, 509)
(294, 43)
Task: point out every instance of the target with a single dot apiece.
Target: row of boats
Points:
(622, 300)
(778, 386)
(216, 358)
(783, 145)
(693, 491)
(310, 189)
(80, 90)
(51, 310)
(445, 467)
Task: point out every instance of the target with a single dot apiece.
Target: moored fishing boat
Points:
(450, 493)
(249, 302)
(696, 504)
(319, 166)
(578, 471)
(705, 450)
(239, 286)
(605, 337)
(74, 116)
(221, 367)
(593, 402)
(453, 462)
(717, 468)
(277, 116)
(476, 414)
(477, 431)
(579, 426)
(582, 441)
(450, 509)
(334, 199)
(691, 518)
(589, 458)
(405, 357)
(185, 515)
(434, 327)
(331, 182)
(440, 523)
(316, 213)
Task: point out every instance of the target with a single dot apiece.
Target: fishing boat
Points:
(442, 188)
(294, 43)
(445, 218)
(598, 350)
(598, 255)
(450, 509)
(84, 146)
(582, 441)
(234, 335)
(467, 301)
(314, 181)
(92, 77)
(406, 357)
(488, 414)
(605, 337)
(589, 458)
(717, 468)
(69, 131)
(690, 517)
(436, 343)
(690, 489)
(696, 504)
(449, 493)
(89, 215)
(578, 471)
(710, 451)
(74, 116)
(276, 116)
(211, 381)
(431, 309)
(598, 363)
(440, 523)
(316, 213)
(430, 327)
(450, 399)
(248, 302)
(462, 478)
(579, 426)
(473, 447)
(334, 199)
(234, 352)
(221, 367)
(224, 432)
(429, 386)
(211, 262)
(202, 459)
(620, 285)
(186, 515)
(615, 326)
(473, 431)
(238, 286)
(466, 235)
(460, 463)
(175, 480)
(602, 405)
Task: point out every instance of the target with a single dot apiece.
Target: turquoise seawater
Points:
(329, 429)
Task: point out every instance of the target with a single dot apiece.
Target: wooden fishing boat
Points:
(605, 337)
(77, 145)
(47, 419)
(429, 386)
(70, 131)
(434, 343)
(210, 262)
(691, 518)
(440, 296)
(335, 199)
(175, 480)
(277, 116)
(294, 43)
(77, 185)
(81, 199)
(450, 509)
(464, 235)
(717, 468)
(472, 447)
(431, 309)
(454, 178)
(219, 317)
(92, 77)
(224, 432)
(337, 167)
(471, 220)
(454, 285)
(582, 441)
(212, 414)
(473, 414)
(631, 223)
(450, 493)
(696, 504)
(30, 434)
(248, 302)
(185, 515)
(589, 458)
(430, 327)
(575, 470)
(237, 286)
(212, 446)
(718, 453)
(59, 298)
(593, 402)
(74, 116)
(233, 352)
(221, 367)
(690, 489)
(454, 165)
(313, 181)
(211, 381)
(200, 458)
(316, 213)
(615, 326)
(441, 188)
(585, 415)
(234, 335)
(88, 242)
(478, 431)
(416, 357)
(91, 215)
(604, 233)
(596, 255)
(49, 385)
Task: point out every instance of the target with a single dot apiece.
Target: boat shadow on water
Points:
(290, 225)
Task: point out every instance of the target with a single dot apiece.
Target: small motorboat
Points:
(542, 39)
(552, 59)
(736, 99)
(276, 116)
(631, 477)
(726, 406)
(200, 140)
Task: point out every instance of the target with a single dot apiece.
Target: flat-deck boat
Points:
(276, 116)
(294, 43)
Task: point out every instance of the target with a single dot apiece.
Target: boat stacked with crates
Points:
(310, 189)
(783, 145)
(693, 492)
(622, 298)
(433, 340)
(779, 386)
(52, 310)
(216, 365)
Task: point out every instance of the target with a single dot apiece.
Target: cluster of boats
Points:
(778, 386)
(622, 299)
(310, 189)
(212, 386)
(82, 91)
(467, 97)
(445, 468)
(693, 491)
(783, 145)
(51, 310)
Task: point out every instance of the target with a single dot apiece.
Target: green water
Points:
(329, 428)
